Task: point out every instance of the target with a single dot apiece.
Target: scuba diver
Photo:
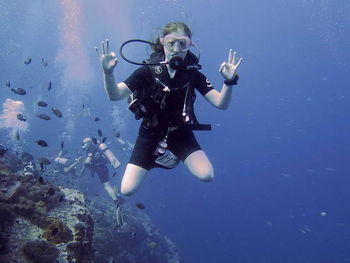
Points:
(97, 156)
(162, 93)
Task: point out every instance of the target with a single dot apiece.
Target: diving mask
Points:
(171, 42)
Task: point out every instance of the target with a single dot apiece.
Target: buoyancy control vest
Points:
(147, 103)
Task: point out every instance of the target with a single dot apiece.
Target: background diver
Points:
(162, 93)
(97, 156)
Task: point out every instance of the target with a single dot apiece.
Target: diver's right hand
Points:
(108, 59)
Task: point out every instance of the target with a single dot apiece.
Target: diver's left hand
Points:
(228, 69)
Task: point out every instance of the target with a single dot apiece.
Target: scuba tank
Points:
(61, 160)
(109, 155)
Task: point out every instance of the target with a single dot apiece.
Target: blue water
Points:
(281, 152)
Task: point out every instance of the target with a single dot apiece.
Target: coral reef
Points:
(75, 214)
(28, 198)
(57, 232)
(39, 252)
(138, 241)
(40, 222)
(4, 238)
(7, 216)
(9, 163)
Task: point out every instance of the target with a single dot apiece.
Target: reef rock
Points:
(68, 228)
(40, 222)
(137, 241)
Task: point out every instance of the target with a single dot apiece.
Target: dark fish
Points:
(140, 206)
(49, 87)
(94, 140)
(27, 62)
(7, 83)
(97, 119)
(3, 150)
(42, 103)
(19, 91)
(43, 116)
(44, 161)
(44, 62)
(41, 180)
(83, 105)
(57, 112)
(62, 144)
(26, 157)
(21, 117)
(42, 143)
(99, 132)
(51, 191)
(17, 135)
(104, 139)
(54, 231)
(116, 133)
(41, 166)
(114, 174)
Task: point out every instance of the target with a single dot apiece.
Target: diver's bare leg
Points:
(200, 166)
(110, 190)
(132, 179)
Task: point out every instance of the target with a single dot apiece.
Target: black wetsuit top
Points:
(142, 78)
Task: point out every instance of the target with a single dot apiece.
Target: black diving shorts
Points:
(102, 172)
(181, 142)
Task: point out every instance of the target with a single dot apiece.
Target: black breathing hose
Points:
(133, 62)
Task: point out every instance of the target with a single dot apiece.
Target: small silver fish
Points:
(140, 206)
(42, 103)
(42, 143)
(27, 62)
(43, 116)
(17, 135)
(3, 150)
(19, 91)
(44, 62)
(49, 87)
(57, 112)
(116, 133)
(21, 117)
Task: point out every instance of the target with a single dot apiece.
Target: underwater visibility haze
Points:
(281, 151)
